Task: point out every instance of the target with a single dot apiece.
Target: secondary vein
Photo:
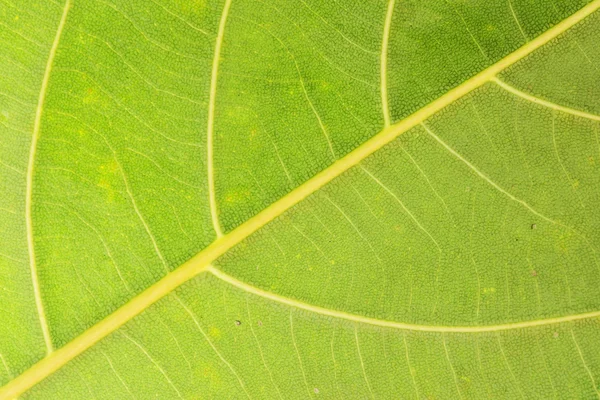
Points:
(393, 324)
(201, 262)
(384, 63)
(29, 185)
(545, 103)
(211, 120)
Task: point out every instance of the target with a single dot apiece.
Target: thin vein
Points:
(473, 258)
(335, 367)
(315, 112)
(5, 365)
(262, 355)
(362, 363)
(135, 206)
(18, 171)
(154, 362)
(201, 261)
(406, 210)
(486, 178)
(543, 356)
(514, 14)
(346, 38)
(585, 366)
(572, 185)
(353, 225)
(512, 374)
(217, 352)
(410, 368)
(211, 121)
(29, 190)
(112, 367)
(451, 366)
(104, 244)
(473, 38)
(298, 355)
(305, 92)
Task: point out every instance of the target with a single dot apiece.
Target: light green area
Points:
(26, 40)
(281, 352)
(504, 223)
(486, 214)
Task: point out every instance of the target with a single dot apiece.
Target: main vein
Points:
(29, 185)
(211, 121)
(201, 262)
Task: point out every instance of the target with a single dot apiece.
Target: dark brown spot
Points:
(533, 226)
(238, 322)
(534, 273)
(259, 323)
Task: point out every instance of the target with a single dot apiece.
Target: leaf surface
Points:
(299, 199)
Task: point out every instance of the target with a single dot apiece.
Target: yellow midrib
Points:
(201, 262)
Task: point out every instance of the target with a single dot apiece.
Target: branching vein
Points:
(201, 261)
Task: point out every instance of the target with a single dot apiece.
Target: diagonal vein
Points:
(29, 190)
(201, 261)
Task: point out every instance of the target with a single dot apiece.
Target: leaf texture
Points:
(299, 199)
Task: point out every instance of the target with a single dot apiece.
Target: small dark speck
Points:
(238, 322)
(534, 273)
(259, 323)
(316, 391)
(555, 334)
(533, 226)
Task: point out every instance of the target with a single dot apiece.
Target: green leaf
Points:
(299, 199)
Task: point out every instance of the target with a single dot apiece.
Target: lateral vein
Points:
(201, 261)
(29, 185)
(393, 324)
(211, 121)
(545, 103)
(384, 62)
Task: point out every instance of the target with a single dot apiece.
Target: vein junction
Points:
(202, 261)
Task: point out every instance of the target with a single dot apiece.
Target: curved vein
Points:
(543, 102)
(393, 324)
(29, 190)
(211, 120)
(201, 261)
(383, 62)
